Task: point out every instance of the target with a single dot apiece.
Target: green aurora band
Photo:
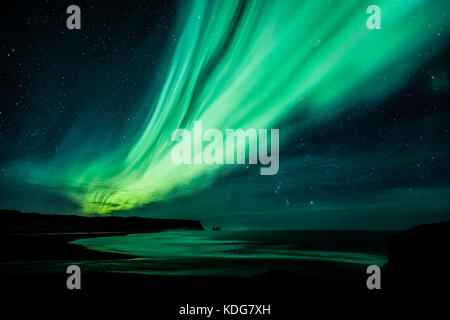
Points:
(253, 64)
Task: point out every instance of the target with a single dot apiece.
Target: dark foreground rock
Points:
(418, 260)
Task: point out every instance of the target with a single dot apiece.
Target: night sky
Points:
(86, 115)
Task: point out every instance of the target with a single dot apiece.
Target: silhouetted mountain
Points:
(418, 259)
(14, 222)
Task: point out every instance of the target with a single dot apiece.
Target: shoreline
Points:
(47, 247)
(35, 236)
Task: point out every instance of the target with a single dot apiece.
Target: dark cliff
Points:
(15, 222)
(418, 259)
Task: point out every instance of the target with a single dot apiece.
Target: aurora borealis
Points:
(363, 114)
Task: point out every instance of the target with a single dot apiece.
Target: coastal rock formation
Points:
(418, 259)
(15, 222)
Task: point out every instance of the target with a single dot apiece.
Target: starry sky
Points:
(86, 115)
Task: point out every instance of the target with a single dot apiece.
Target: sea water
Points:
(316, 253)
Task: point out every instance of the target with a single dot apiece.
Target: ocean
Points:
(317, 253)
